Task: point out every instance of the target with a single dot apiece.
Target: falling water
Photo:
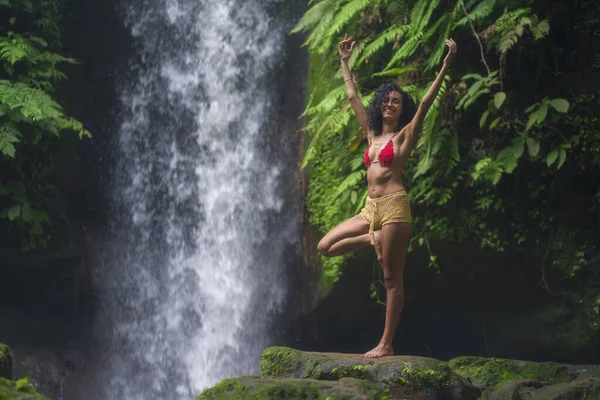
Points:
(196, 270)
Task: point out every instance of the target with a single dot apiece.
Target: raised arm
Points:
(415, 126)
(345, 49)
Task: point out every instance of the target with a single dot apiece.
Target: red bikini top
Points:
(386, 155)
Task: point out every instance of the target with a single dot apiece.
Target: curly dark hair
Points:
(375, 119)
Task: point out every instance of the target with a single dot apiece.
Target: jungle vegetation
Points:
(509, 157)
(31, 118)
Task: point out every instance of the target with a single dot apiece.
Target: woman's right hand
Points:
(345, 48)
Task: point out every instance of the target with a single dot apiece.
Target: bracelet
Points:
(346, 80)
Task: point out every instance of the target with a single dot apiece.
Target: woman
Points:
(392, 125)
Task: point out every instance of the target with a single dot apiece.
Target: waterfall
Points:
(195, 267)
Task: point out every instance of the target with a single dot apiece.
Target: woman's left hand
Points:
(451, 51)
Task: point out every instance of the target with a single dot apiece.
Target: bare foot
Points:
(378, 248)
(380, 351)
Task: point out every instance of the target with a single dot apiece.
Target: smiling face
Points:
(391, 108)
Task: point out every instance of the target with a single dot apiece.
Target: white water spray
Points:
(200, 217)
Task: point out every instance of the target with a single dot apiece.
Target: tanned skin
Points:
(392, 239)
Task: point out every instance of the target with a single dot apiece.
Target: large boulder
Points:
(269, 388)
(292, 374)
(5, 362)
(406, 375)
(503, 379)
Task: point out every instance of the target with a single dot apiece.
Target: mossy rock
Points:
(19, 390)
(269, 388)
(490, 373)
(514, 390)
(581, 389)
(5, 362)
(433, 378)
(584, 389)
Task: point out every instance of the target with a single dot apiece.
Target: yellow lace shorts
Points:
(385, 210)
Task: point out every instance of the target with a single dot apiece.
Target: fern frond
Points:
(317, 40)
(426, 141)
(417, 13)
(356, 162)
(397, 71)
(407, 50)
(433, 29)
(482, 10)
(313, 15)
(34, 106)
(420, 19)
(436, 56)
(328, 103)
(431, 127)
(361, 203)
(510, 38)
(14, 48)
(451, 154)
(541, 29)
(350, 182)
(387, 36)
(345, 14)
(9, 135)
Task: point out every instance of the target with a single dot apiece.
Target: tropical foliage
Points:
(509, 153)
(30, 118)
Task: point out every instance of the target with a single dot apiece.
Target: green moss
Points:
(284, 361)
(426, 377)
(492, 372)
(5, 362)
(279, 361)
(265, 388)
(19, 390)
(416, 373)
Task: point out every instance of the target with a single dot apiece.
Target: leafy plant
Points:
(30, 118)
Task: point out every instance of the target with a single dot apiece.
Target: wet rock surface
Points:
(287, 373)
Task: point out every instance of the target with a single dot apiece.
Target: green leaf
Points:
(12, 20)
(532, 120)
(495, 123)
(391, 34)
(499, 99)
(541, 29)
(472, 76)
(27, 212)
(9, 135)
(533, 146)
(483, 118)
(345, 15)
(541, 113)
(473, 89)
(560, 105)
(353, 197)
(397, 71)
(14, 212)
(350, 181)
(313, 16)
(551, 157)
(531, 107)
(562, 156)
(518, 147)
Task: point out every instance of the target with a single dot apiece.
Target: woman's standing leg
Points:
(347, 236)
(394, 243)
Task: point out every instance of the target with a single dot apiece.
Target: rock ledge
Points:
(287, 373)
